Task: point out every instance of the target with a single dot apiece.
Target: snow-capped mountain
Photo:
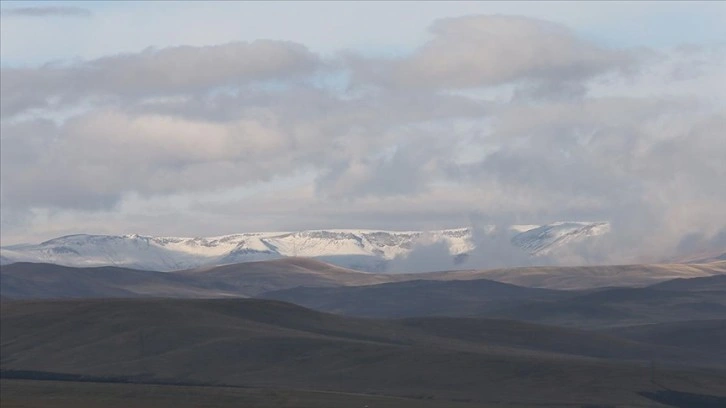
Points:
(362, 249)
(542, 240)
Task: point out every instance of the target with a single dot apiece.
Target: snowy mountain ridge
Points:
(345, 247)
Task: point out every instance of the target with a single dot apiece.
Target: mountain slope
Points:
(547, 238)
(360, 248)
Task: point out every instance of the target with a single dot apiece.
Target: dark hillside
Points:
(261, 343)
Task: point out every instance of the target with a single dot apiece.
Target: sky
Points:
(208, 118)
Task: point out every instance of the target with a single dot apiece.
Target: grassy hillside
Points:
(703, 335)
(256, 343)
(415, 298)
(47, 281)
(42, 281)
(483, 298)
(623, 307)
(252, 278)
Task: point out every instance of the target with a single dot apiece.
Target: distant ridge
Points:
(25, 280)
(359, 249)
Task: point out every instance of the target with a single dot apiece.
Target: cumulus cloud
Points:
(179, 70)
(476, 51)
(99, 156)
(223, 141)
(46, 11)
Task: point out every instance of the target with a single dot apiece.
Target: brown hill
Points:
(587, 277)
(25, 280)
(38, 281)
(256, 277)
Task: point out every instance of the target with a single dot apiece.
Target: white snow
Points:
(174, 253)
(544, 239)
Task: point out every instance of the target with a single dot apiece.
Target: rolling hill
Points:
(706, 283)
(621, 307)
(704, 335)
(415, 298)
(603, 307)
(257, 277)
(38, 281)
(586, 277)
(260, 343)
(46, 281)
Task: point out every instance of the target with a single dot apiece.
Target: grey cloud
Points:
(100, 156)
(551, 91)
(698, 243)
(153, 72)
(477, 51)
(310, 112)
(222, 141)
(428, 257)
(493, 249)
(408, 169)
(46, 11)
(650, 167)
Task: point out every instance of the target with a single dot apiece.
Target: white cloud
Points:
(477, 51)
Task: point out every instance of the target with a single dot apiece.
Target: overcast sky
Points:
(193, 119)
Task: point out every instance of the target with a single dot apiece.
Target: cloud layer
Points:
(516, 119)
